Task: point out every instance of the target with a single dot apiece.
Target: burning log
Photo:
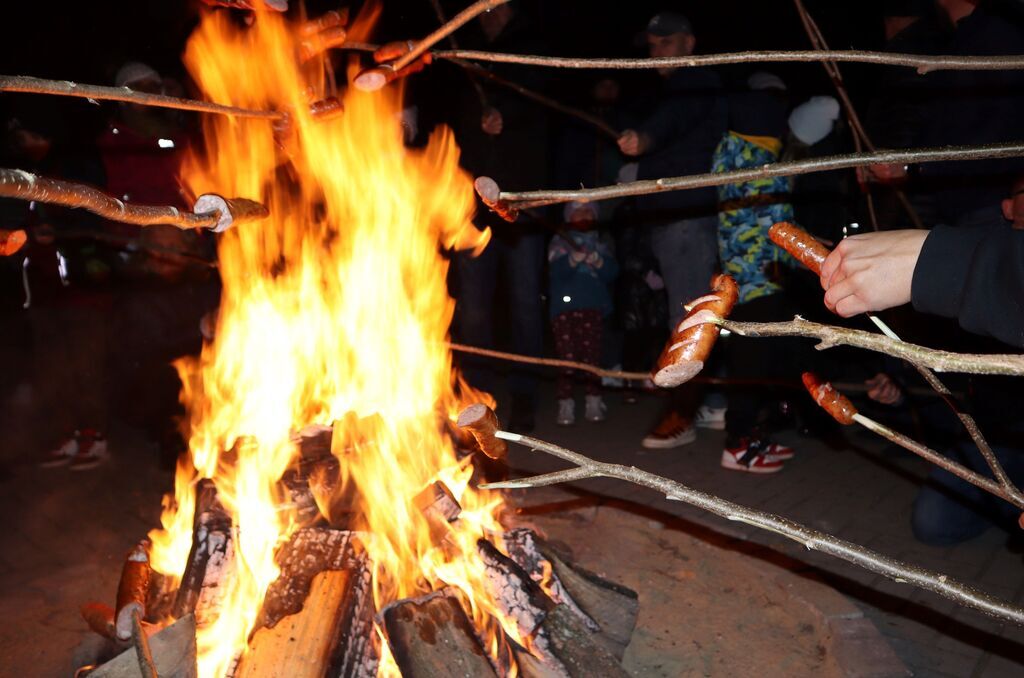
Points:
(100, 619)
(440, 507)
(173, 651)
(573, 644)
(210, 560)
(309, 552)
(519, 597)
(431, 637)
(481, 421)
(488, 190)
(132, 590)
(301, 645)
(11, 242)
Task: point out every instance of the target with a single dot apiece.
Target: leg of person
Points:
(52, 338)
(476, 278)
(562, 328)
(687, 253)
(88, 377)
(590, 331)
(525, 267)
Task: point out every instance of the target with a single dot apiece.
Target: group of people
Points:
(965, 264)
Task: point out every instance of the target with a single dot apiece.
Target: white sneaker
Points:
(91, 453)
(710, 417)
(595, 410)
(566, 412)
(63, 454)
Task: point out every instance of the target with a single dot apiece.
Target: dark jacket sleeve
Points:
(976, 276)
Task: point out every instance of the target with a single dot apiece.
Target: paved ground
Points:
(65, 535)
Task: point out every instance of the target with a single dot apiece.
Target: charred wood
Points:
(431, 637)
(210, 559)
(576, 647)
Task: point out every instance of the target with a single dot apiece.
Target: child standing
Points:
(581, 269)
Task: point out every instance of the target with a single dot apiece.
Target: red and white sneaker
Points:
(751, 456)
(63, 453)
(777, 451)
(91, 452)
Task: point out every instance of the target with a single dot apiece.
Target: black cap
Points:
(669, 23)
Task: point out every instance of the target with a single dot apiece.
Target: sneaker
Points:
(64, 453)
(596, 410)
(750, 456)
(777, 451)
(91, 453)
(710, 417)
(566, 412)
(672, 431)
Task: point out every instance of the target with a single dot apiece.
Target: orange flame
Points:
(334, 305)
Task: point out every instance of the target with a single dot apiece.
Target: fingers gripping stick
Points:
(691, 343)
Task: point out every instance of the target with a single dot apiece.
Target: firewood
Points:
(210, 560)
(431, 637)
(301, 644)
(439, 506)
(575, 647)
(516, 594)
(160, 598)
(309, 552)
(132, 590)
(173, 650)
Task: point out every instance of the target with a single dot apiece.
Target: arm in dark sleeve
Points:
(976, 276)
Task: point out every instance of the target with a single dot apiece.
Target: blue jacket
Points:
(581, 274)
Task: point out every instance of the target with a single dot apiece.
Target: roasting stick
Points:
(211, 211)
(814, 540)
(147, 665)
(843, 411)
(812, 254)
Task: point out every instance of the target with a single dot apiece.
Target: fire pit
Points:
(323, 522)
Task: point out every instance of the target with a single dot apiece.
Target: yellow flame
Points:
(334, 310)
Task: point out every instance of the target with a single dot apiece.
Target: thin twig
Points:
(830, 336)
(147, 666)
(23, 83)
(26, 186)
(899, 571)
(456, 22)
(592, 120)
(923, 63)
(527, 199)
(993, 487)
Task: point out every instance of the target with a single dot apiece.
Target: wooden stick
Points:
(147, 667)
(923, 63)
(219, 213)
(830, 336)
(456, 22)
(24, 83)
(899, 571)
(528, 199)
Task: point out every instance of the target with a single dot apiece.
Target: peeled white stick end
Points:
(211, 202)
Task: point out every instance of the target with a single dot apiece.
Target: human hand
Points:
(871, 271)
(884, 390)
(632, 143)
(491, 122)
(594, 259)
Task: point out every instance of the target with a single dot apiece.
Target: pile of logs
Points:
(319, 617)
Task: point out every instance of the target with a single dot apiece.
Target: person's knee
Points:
(938, 520)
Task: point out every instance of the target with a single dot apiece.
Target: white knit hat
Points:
(135, 71)
(814, 119)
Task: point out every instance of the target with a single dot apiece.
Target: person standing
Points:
(503, 136)
(679, 137)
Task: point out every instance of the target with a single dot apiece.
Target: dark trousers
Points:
(521, 261)
(759, 358)
(578, 336)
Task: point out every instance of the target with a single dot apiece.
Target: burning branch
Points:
(924, 64)
(24, 83)
(211, 211)
(528, 199)
(843, 411)
(896, 570)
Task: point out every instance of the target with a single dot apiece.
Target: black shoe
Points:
(521, 418)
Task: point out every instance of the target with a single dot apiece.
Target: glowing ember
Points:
(336, 304)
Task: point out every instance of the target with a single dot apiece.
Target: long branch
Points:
(23, 83)
(830, 336)
(527, 199)
(923, 63)
(446, 29)
(898, 571)
(26, 186)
